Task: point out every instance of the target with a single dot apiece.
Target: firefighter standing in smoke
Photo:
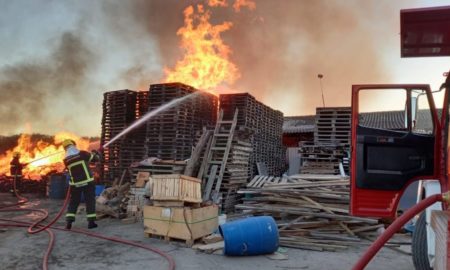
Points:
(16, 172)
(81, 181)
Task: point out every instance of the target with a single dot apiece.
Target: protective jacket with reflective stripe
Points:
(78, 166)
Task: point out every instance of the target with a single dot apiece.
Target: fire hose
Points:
(395, 226)
(49, 226)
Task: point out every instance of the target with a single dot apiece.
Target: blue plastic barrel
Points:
(250, 236)
(99, 189)
(58, 186)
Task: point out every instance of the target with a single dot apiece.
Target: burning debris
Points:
(41, 158)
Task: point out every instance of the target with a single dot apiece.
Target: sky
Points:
(57, 58)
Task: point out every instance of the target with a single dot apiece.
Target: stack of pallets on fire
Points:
(331, 142)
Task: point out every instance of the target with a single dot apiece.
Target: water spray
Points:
(149, 115)
(44, 157)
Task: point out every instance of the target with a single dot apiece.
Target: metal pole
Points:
(320, 76)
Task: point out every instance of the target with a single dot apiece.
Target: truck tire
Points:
(419, 245)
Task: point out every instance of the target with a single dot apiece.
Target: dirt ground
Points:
(19, 250)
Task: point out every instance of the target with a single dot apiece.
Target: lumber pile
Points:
(311, 210)
(265, 125)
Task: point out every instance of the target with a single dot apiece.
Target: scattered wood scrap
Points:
(311, 210)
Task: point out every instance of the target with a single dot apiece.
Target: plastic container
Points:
(58, 186)
(99, 189)
(250, 236)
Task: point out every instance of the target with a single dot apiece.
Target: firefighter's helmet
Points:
(16, 154)
(66, 143)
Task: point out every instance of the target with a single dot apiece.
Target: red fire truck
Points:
(410, 143)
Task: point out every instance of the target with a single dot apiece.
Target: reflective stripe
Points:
(91, 215)
(82, 183)
(70, 215)
(91, 157)
(86, 171)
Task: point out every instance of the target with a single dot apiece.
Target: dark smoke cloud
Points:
(30, 89)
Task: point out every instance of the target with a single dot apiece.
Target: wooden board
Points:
(141, 178)
(181, 223)
(439, 223)
(176, 187)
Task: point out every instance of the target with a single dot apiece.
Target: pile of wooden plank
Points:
(172, 133)
(311, 210)
(265, 125)
(120, 109)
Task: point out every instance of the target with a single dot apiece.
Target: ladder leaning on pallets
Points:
(217, 157)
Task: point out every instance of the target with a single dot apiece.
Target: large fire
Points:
(206, 62)
(48, 157)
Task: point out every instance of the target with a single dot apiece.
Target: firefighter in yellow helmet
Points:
(81, 181)
(16, 172)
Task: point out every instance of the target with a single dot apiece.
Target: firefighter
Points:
(16, 172)
(81, 181)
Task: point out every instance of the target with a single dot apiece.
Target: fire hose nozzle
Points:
(446, 197)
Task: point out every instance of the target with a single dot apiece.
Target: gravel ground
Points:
(19, 250)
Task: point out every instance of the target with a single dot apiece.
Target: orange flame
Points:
(250, 4)
(206, 62)
(30, 151)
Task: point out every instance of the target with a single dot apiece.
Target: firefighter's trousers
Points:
(75, 198)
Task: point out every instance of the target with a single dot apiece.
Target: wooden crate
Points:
(176, 187)
(440, 223)
(180, 223)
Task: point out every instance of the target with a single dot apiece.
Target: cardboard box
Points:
(173, 222)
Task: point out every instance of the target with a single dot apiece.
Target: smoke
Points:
(29, 90)
(280, 47)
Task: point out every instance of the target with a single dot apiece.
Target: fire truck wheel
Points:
(419, 245)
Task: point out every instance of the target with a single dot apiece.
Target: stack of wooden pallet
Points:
(236, 173)
(333, 125)
(172, 133)
(264, 123)
(323, 159)
(120, 109)
(331, 145)
(169, 135)
(311, 210)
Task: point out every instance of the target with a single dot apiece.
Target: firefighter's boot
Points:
(68, 225)
(92, 224)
